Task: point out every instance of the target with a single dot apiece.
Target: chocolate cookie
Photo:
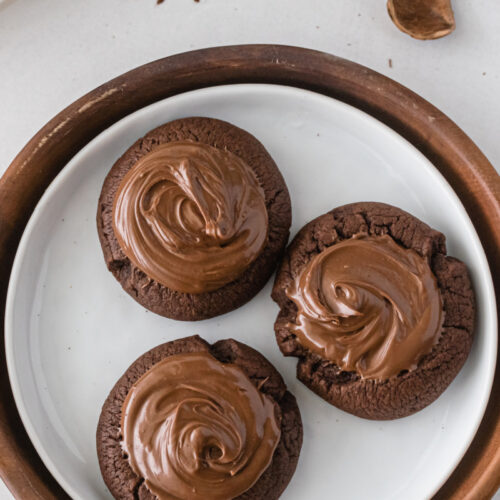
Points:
(193, 218)
(219, 415)
(380, 319)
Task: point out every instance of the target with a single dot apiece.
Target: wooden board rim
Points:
(435, 135)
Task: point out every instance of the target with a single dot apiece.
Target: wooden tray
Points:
(451, 151)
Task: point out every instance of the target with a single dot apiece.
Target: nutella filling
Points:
(368, 305)
(190, 216)
(195, 428)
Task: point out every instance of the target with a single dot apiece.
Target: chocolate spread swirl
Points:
(196, 428)
(190, 216)
(369, 305)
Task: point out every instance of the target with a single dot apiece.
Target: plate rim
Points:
(449, 149)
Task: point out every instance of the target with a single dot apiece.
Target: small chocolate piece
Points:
(230, 246)
(193, 420)
(196, 428)
(422, 19)
(363, 379)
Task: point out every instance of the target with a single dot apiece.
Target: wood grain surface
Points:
(436, 136)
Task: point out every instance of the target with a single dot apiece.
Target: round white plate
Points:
(71, 331)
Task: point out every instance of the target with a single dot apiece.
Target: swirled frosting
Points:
(195, 428)
(369, 305)
(191, 216)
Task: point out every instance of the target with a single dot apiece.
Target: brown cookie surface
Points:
(409, 391)
(190, 306)
(116, 471)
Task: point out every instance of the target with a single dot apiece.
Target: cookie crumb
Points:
(390, 63)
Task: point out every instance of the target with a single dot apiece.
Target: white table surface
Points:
(54, 51)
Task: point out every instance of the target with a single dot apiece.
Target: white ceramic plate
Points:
(71, 331)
